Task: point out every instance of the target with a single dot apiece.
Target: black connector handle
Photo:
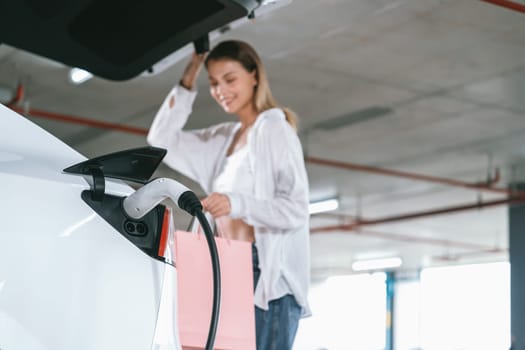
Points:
(216, 269)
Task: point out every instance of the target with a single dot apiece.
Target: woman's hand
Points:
(217, 204)
(192, 70)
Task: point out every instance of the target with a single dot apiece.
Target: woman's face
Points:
(231, 85)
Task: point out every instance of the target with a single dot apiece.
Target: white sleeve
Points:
(288, 207)
(193, 152)
(171, 119)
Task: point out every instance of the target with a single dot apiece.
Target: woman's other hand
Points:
(217, 204)
(191, 73)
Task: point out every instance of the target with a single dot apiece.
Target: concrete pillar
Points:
(390, 294)
(517, 272)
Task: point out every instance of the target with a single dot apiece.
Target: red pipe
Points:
(19, 96)
(388, 219)
(142, 131)
(318, 161)
(508, 4)
(79, 120)
(412, 176)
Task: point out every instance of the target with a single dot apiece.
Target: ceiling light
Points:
(78, 76)
(322, 206)
(376, 264)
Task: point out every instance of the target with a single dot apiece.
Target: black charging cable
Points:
(189, 202)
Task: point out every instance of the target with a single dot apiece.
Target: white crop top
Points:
(235, 175)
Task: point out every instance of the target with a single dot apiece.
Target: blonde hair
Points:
(246, 55)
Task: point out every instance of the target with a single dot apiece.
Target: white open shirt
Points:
(278, 207)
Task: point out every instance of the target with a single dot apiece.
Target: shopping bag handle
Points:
(217, 232)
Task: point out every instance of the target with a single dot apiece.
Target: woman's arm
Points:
(177, 106)
(193, 153)
(171, 116)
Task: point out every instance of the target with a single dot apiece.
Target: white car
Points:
(68, 279)
(77, 272)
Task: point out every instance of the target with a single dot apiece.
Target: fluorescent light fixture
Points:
(376, 264)
(322, 206)
(78, 76)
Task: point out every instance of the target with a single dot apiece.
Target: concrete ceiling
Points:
(430, 87)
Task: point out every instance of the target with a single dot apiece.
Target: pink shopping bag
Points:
(236, 328)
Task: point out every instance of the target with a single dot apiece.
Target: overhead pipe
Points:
(19, 96)
(511, 5)
(79, 120)
(485, 186)
(389, 219)
(38, 113)
(335, 215)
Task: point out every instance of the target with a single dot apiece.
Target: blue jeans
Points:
(276, 327)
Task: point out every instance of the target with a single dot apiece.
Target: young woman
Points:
(253, 172)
